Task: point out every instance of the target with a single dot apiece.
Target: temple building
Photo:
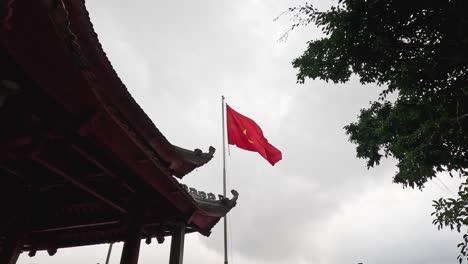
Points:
(80, 162)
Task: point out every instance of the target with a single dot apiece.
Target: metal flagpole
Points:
(224, 180)
(109, 253)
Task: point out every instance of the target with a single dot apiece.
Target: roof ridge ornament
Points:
(210, 197)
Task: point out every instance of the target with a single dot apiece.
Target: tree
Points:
(417, 51)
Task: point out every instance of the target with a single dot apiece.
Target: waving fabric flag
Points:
(246, 134)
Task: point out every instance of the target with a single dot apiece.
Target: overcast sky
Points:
(318, 205)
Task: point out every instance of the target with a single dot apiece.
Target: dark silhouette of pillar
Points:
(131, 248)
(177, 244)
(11, 250)
(13, 235)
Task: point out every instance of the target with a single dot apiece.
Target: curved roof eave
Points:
(180, 161)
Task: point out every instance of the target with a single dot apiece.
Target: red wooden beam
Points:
(91, 158)
(64, 228)
(60, 169)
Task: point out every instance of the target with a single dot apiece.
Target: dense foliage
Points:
(417, 51)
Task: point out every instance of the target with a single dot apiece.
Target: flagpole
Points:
(224, 179)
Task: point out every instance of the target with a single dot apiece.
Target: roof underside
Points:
(79, 152)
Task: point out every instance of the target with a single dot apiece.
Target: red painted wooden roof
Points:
(78, 150)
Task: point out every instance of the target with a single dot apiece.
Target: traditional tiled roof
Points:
(77, 150)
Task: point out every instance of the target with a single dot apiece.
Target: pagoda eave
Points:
(81, 163)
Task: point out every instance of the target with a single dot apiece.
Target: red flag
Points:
(246, 134)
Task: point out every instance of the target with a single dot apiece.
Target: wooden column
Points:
(11, 250)
(14, 226)
(131, 248)
(177, 244)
